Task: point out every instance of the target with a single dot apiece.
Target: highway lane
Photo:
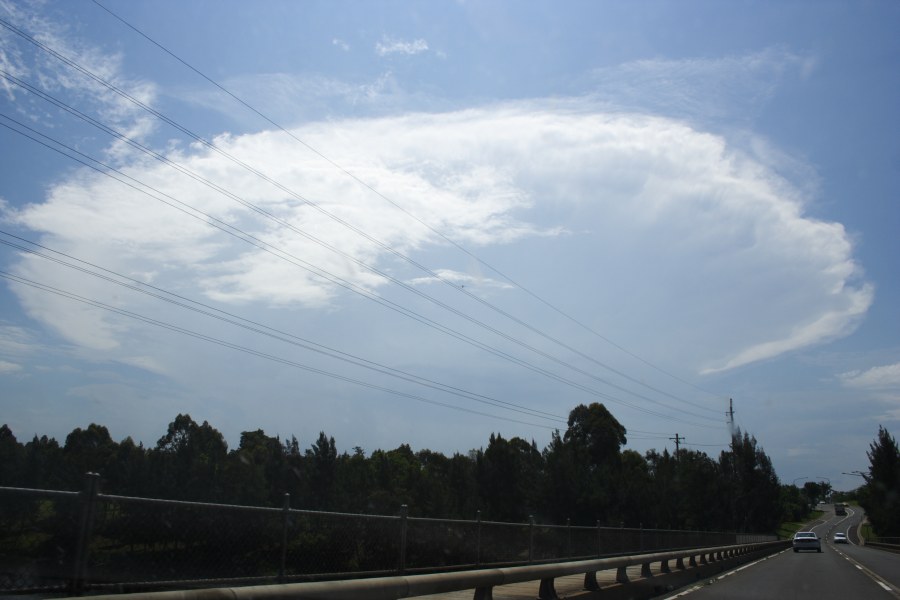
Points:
(839, 572)
(885, 565)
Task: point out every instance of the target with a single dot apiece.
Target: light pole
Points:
(794, 483)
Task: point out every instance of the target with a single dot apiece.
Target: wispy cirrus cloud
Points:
(389, 45)
(49, 70)
(732, 88)
(884, 377)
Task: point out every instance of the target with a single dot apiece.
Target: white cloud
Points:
(7, 367)
(16, 342)
(393, 46)
(884, 377)
(732, 88)
(69, 84)
(340, 44)
(698, 250)
(475, 279)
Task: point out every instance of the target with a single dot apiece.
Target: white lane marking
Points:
(720, 577)
(871, 575)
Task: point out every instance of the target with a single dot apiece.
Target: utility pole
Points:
(678, 441)
(730, 415)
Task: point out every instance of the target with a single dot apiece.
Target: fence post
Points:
(530, 538)
(568, 538)
(641, 538)
(478, 539)
(82, 548)
(284, 535)
(404, 513)
(599, 540)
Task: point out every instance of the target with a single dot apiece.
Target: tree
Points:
(595, 430)
(11, 452)
(188, 461)
(880, 496)
(751, 486)
(321, 461)
(88, 450)
(594, 439)
(255, 473)
(508, 473)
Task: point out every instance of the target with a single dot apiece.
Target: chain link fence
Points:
(75, 542)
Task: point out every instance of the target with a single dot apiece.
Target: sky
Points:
(426, 222)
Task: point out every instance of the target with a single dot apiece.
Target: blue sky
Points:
(502, 209)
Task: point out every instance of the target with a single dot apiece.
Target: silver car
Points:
(807, 540)
(840, 538)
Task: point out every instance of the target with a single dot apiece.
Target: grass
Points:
(789, 528)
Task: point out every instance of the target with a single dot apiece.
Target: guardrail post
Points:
(530, 539)
(622, 575)
(590, 581)
(645, 570)
(82, 549)
(547, 591)
(484, 593)
(478, 539)
(404, 513)
(285, 510)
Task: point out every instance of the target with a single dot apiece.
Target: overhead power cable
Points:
(399, 207)
(365, 235)
(89, 268)
(212, 221)
(314, 239)
(239, 348)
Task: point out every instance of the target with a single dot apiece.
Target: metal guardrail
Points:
(889, 544)
(482, 581)
(73, 542)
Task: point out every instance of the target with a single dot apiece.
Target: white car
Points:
(840, 538)
(807, 540)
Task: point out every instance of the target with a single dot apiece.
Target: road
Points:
(841, 571)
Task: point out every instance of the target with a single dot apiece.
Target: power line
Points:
(373, 240)
(264, 355)
(425, 224)
(228, 194)
(243, 236)
(225, 192)
(280, 335)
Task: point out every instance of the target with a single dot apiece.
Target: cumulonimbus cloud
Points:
(701, 243)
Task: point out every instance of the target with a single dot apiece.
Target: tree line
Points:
(880, 495)
(583, 475)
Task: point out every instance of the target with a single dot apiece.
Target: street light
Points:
(857, 473)
(794, 483)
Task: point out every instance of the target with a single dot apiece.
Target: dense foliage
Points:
(880, 496)
(583, 475)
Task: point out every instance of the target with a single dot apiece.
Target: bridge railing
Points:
(58, 541)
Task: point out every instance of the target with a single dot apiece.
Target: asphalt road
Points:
(841, 571)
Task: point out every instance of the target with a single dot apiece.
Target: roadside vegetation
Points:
(880, 495)
(583, 475)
